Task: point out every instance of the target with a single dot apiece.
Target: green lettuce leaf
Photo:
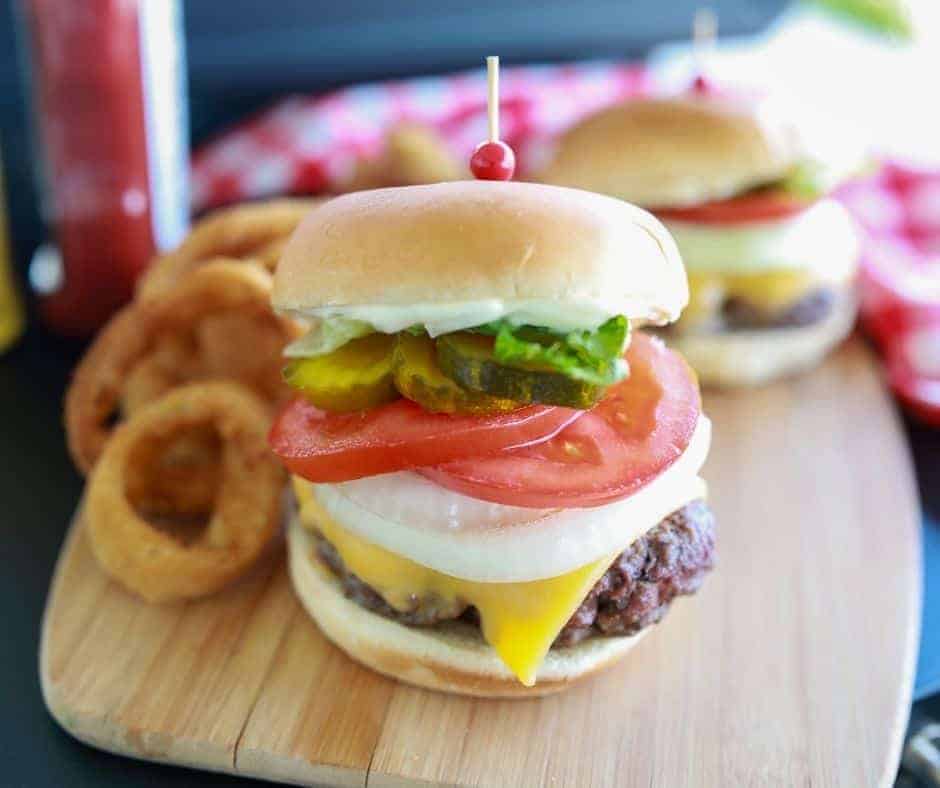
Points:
(328, 335)
(812, 180)
(807, 181)
(594, 357)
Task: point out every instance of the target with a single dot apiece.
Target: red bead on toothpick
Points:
(493, 160)
(702, 84)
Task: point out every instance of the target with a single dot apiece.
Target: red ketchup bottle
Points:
(108, 97)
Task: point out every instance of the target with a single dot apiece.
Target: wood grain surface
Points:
(793, 666)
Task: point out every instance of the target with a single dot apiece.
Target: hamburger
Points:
(496, 468)
(745, 192)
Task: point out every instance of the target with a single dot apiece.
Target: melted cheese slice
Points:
(769, 292)
(519, 620)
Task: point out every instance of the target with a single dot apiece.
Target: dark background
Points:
(242, 54)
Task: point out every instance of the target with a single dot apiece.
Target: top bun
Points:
(517, 244)
(677, 151)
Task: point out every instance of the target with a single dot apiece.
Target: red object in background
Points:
(109, 107)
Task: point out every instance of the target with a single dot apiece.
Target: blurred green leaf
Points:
(889, 17)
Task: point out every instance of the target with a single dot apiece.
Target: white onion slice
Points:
(477, 540)
(822, 239)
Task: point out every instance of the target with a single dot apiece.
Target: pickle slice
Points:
(468, 360)
(356, 376)
(418, 377)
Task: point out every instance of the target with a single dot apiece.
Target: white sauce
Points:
(442, 318)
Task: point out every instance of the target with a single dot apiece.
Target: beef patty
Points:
(814, 307)
(668, 561)
(738, 314)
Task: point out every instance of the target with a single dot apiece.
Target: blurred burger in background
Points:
(744, 186)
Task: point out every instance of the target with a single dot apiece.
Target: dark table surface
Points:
(39, 490)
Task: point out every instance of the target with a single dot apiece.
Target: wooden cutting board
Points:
(793, 665)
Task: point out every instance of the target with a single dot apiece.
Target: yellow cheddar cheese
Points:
(770, 292)
(519, 620)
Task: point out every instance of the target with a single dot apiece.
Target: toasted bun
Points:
(450, 658)
(749, 358)
(471, 241)
(678, 151)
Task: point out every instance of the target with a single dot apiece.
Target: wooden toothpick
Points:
(493, 159)
(492, 78)
(704, 34)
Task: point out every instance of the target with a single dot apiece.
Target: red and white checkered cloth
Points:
(899, 211)
(305, 145)
(308, 144)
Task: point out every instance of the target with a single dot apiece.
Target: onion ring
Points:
(412, 154)
(172, 359)
(238, 232)
(93, 397)
(270, 254)
(149, 348)
(177, 476)
(152, 563)
(227, 306)
(183, 471)
(246, 346)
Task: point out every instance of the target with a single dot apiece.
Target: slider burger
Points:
(771, 259)
(496, 469)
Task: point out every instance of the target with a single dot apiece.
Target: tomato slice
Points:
(761, 205)
(640, 428)
(337, 447)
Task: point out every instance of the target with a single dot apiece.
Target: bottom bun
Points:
(749, 358)
(451, 657)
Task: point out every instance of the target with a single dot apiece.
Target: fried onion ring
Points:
(177, 476)
(413, 154)
(172, 359)
(183, 471)
(243, 231)
(270, 254)
(214, 324)
(227, 307)
(98, 382)
(246, 515)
